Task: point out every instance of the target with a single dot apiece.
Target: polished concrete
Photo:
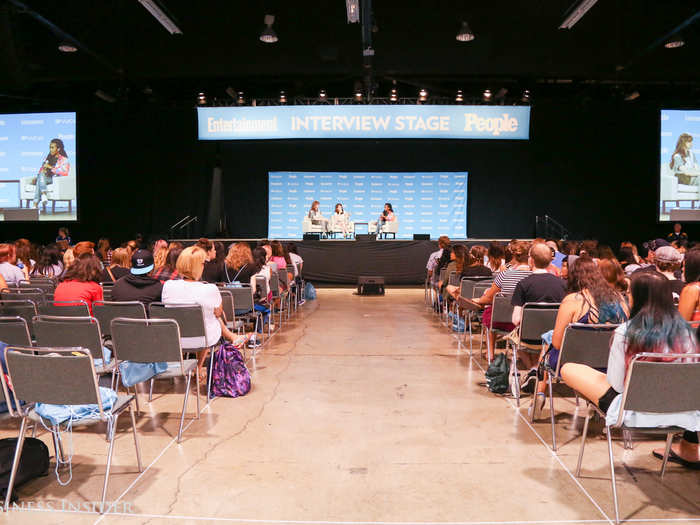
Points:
(363, 410)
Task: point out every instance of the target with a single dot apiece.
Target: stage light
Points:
(465, 33)
(268, 35)
(240, 99)
(159, 14)
(322, 95)
(353, 9)
(487, 95)
(674, 42)
(577, 13)
(423, 95)
(394, 96)
(459, 97)
(358, 95)
(526, 96)
(105, 96)
(634, 95)
(66, 47)
(283, 97)
(201, 98)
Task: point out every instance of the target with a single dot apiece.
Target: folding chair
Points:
(229, 309)
(14, 331)
(501, 312)
(61, 376)
(64, 308)
(46, 285)
(26, 309)
(154, 341)
(22, 294)
(244, 308)
(105, 311)
(652, 386)
(286, 297)
(587, 344)
(537, 319)
(107, 290)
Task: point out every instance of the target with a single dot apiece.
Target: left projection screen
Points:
(38, 167)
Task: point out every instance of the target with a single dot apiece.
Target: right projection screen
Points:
(679, 186)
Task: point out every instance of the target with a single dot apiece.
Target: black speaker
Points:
(370, 285)
(366, 237)
(312, 236)
(421, 236)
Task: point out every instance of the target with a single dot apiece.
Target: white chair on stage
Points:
(309, 226)
(391, 227)
(60, 189)
(345, 227)
(672, 192)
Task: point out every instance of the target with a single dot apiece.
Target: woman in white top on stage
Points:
(340, 221)
(316, 216)
(386, 216)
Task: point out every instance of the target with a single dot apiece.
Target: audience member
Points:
(208, 247)
(260, 260)
(25, 255)
(159, 256)
(121, 260)
(8, 265)
(689, 305)
(104, 251)
(239, 265)
(214, 267)
(677, 234)
(495, 260)
(613, 274)
(434, 258)
(68, 259)
(654, 326)
(667, 261)
(49, 264)
(83, 248)
(296, 259)
(81, 281)
(139, 284)
(169, 270)
(64, 235)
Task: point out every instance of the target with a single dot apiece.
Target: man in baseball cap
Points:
(139, 284)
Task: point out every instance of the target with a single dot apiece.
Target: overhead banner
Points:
(364, 122)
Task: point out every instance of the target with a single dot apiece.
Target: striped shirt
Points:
(508, 280)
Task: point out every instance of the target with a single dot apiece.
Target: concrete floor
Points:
(361, 412)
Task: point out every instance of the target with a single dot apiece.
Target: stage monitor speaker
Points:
(370, 285)
(366, 237)
(20, 214)
(421, 236)
(312, 236)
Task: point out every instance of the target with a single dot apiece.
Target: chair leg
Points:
(612, 473)
(516, 382)
(109, 462)
(136, 439)
(197, 378)
(58, 445)
(669, 441)
(551, 411)
(184, 407)
(150, 390)
(15, 462)
(211, 369)
(583, 441)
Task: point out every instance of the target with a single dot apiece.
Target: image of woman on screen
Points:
(683, 163)
(317, 217)
(55, 165)
(386, 216)
(340, 221)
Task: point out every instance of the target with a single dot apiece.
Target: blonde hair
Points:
(238, 255)
(190, 264)
(121, 257)
(68, 258)
(160, 256)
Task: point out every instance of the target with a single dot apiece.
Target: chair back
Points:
(189, 318)
(260, 286)
(24, 308)
(227, 304)
(275, 284)
(292, 268)
(146, 340)
(20, 294)
(453, 279)
(62, 332)
(105, 311)
(586, 344)
(59, 376)
(502, 311)
(657, 386)
(480, 289)
(242, 298)
(468, 284)
(65, 308)
(5, 395)
(443, 275)
(14, 331)
(537, 319)
(45, 285)
(283, 276)
(107, 290)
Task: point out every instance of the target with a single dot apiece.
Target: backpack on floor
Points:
(497, 374)
(33, 463)
(229, 376)
(309, 292)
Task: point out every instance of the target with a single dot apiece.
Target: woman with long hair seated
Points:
(654, 326)
(689, 305)
(49, 263)
(168, 270)
(239, 265)
(119, 267)
(8, 265)
(81, 281)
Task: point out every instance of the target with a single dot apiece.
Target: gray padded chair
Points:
(501, 312)
(244, 307)
(22, 294)
(660, 387)
(61, 376)
(229, 310)
(78, 308)
(105, 311)
(537, 318)
(154, 341)
(587, 344)
(14, 331)
(48, 286)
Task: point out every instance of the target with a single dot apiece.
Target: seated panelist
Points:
(317, 217)
(386, 216)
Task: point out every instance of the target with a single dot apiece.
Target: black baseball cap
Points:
(141, 262)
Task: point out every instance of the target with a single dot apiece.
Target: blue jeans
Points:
(42, 183)
(379, 226)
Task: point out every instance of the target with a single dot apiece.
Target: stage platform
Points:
(342, 261)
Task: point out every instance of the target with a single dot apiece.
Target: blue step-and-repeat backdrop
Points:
(423, 202)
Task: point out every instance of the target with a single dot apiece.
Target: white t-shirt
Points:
(297, 261)
(11, 273)
(205, 294)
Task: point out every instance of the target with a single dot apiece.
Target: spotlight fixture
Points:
(423, 95)
(674, 42)
(465, 33)
(160, 14)
(358, 95)
(240, 99)
(107, 97)
(201, 98)
(576, 13)
(394, 96)
(67, 47)
(268, 35)
(283, 97)
(322, 95)
(526, 96)
(487, 95)
(459, 97)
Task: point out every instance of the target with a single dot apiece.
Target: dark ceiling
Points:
(125, 50)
